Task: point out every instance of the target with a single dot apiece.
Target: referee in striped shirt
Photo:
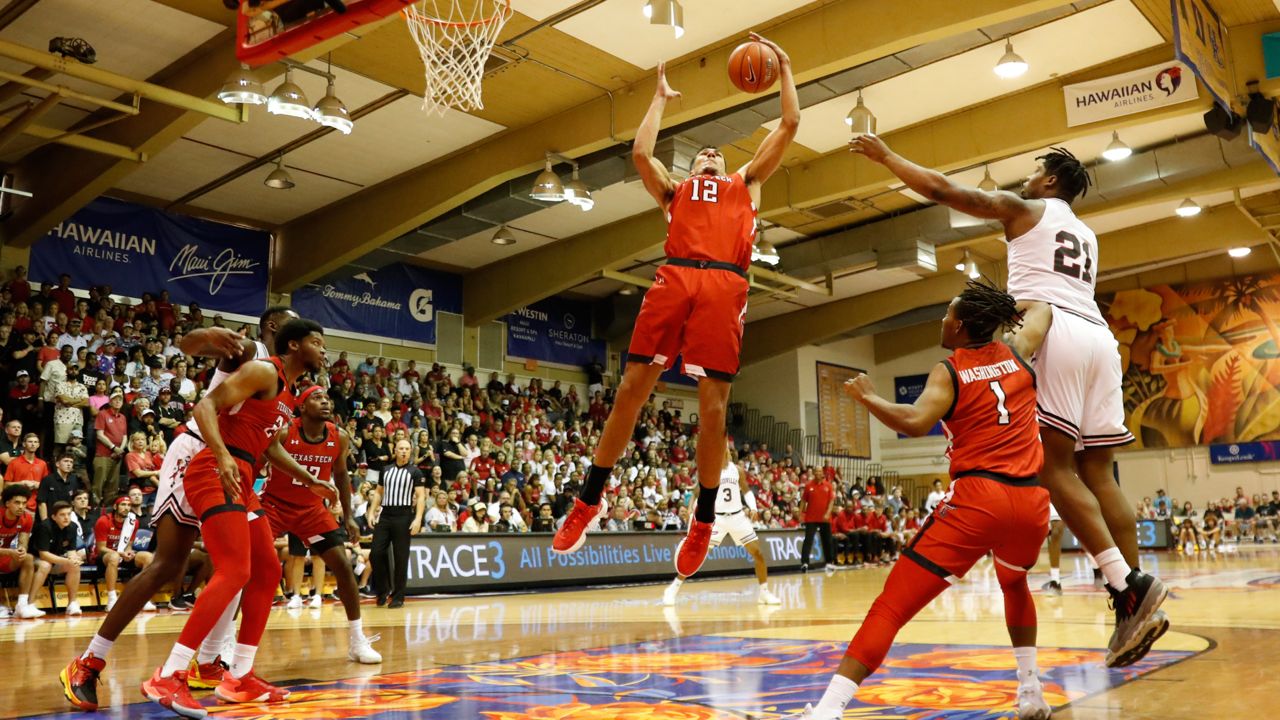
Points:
(399, 502)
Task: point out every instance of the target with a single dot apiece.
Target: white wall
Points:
(772, 387)
(1187, 474)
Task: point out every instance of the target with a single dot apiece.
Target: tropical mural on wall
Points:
(1201, 361)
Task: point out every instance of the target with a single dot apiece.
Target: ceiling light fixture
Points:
(279, 179)
(242, 87)
(504, 236)
(1011, 64)
(331, 112)
(964, 262)
(988, 183)
(547, 187)
(288, 99)
(666, 12)
(973, 271)
(1239, 252)
(860, 120)
(764, 252)
(577, 192)
(1117, 150)
(1188, 208)
(647, 9)
(627, 290)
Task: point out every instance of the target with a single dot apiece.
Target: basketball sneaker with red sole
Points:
(80, 681)
(692, 550)
(206, 676)
(172, 693)
(249, 689)
(582, 519)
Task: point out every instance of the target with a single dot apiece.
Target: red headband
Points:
(308, 393)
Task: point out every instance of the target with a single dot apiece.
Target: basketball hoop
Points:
(455, 38)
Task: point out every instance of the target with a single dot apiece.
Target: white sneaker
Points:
(316, 602)
(768, 598)
(295, 602)
(4, 612)
(669, 595)
(1031, 704)
(811, 714)
(73, 609)
(149, 607)
(29, 612)
(362, 651)
(111, 601)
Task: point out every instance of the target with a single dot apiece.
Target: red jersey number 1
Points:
(708, 189)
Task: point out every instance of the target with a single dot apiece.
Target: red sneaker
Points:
(172, 693)
(206, 676)
(692, 550)
(80, 681)
(582, 518)
(249, 689)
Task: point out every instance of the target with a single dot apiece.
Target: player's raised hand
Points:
(860, 387)
(783, 57)
(664, 89)
(870, 146)
(225, 342)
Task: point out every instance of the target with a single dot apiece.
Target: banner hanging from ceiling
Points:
(398, 301)
(1200, 41)
(138, 249)
(1127, 93)
(553, 330)
(906, 390)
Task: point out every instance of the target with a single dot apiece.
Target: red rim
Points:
(506, 13)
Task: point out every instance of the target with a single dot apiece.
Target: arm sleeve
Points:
(750, 500)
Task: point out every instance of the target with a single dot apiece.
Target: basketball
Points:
(753, 67)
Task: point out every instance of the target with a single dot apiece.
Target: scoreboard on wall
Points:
(844, 426)
(1152, 535)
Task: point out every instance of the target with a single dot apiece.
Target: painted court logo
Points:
(1169, 79)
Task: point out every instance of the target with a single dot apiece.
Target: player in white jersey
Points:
(733, 497)
(1053, 269)
(175, 524)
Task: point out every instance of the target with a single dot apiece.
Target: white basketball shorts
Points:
(171, 499)
(736, 526)
(1078, 382)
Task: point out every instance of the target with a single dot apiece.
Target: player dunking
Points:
(320, 449)
(694, 309)
(176, 526)
(732, 520)
(1053, 270)
(238, 420)
(986, 397)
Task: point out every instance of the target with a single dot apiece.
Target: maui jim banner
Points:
(136, 249)
(553, 330)
(398, 301)
(1128, 93)
(1200, 41)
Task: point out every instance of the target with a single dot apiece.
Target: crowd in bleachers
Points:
(1221, 524)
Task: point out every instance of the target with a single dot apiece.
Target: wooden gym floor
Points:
(602, 654)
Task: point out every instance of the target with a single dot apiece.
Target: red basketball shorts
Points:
(977, 516)
(9, 564)
(205, 493)
(308, 522)
(693, 313)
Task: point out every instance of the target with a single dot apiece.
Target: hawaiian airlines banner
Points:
(398, 301)
(553, 330)
(1132, 92)
(136, 249)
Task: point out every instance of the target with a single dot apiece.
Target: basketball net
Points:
(455, 38)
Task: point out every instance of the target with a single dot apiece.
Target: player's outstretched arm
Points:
(653, 174)
(215, 342)
(999, 205)
(914, 420)
(769, 155)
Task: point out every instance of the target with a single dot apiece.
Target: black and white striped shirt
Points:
(398, 483)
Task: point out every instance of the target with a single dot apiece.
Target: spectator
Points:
(59, 486)
(113, 547)
(56, 552)
(544, 522)
(27, 468)
(935, 496)
(109, 432)
(16, 553)
(478, 520)
(83, 519)
(441, 518)
(816, 502)
(141, 465)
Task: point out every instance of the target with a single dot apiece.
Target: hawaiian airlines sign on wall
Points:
(1132, 92)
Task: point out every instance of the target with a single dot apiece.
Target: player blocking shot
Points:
(985, 396)
(694, 310)
(1053, 270)
(733, 498)
(294, 502)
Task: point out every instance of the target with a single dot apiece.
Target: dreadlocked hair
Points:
(1073, 179)
(984, 309)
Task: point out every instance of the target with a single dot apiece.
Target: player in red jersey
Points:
(238, 420)
(985, 394)
(176, 525)
(694, 309)
(292, 504)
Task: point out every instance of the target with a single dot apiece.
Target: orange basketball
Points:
(753, 67)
